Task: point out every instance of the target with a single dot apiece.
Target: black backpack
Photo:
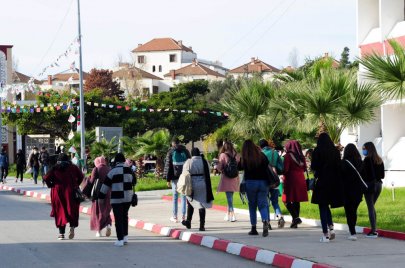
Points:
(231, 168)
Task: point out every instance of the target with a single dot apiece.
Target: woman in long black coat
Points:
(328, 189)
(351, 170)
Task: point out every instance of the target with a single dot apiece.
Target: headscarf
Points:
(63, 161)
(293, 147)
(100, 161)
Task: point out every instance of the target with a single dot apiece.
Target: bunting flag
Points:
(72, 105)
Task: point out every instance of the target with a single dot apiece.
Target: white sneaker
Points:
(352, 238)
(119, 243)
(324, 239)
(98, 234)
(332, 234)
(226, 218)
(125, 240)
(233, 218)
(174, 219)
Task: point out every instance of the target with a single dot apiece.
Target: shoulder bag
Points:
(364, 185)
(78, 195)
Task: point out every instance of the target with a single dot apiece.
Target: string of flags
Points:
(37, 108)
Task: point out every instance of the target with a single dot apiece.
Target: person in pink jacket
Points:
(226, 184)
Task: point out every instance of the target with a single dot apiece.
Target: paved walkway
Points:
(302, 242)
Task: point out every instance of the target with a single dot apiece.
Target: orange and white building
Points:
(377, 22)
(254, 67)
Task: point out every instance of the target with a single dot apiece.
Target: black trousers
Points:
(201, 212)
(20, 171)
(4, 172)
(294, 209)
(121, 219)
(351, 216)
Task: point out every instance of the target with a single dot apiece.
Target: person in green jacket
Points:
(276, 162)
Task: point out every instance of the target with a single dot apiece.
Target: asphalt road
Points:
(28, 238)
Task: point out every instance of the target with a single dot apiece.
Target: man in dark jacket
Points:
(20, 164)
(175, 158)
(44, 163)
(3, 165)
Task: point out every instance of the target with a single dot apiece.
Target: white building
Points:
(377, 21)
(191, 72)
(160, 55)
(255, 66)
(63, 80)
(138, 83)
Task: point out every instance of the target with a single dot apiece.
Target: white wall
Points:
(391, 12)
(370, 131)
(367, 18)
(392, 121)
(184, 79)
(156, 58)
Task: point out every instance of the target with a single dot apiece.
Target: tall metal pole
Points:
(82, 124)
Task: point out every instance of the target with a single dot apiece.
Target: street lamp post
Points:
(82, 124)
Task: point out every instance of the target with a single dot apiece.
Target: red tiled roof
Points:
(162, 44)
(195, 69)
(255, 66)
(22, 78)
(65, 76)
(133, 72)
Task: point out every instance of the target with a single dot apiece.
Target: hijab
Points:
(100, 161)
(293, 147)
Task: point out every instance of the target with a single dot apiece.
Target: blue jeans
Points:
(229, 198)
(44, 170)
(175, 200)
(35, 171)
(326, 217)
(274, 194)
(256, 192)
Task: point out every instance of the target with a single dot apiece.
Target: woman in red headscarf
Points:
(100, 209)
(294, 187)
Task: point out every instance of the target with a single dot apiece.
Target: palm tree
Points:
(248, 109)
(157, 143)
(90, 137)
(331, 104)
(105, 148)
(387, 72)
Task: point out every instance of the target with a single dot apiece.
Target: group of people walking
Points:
(112, 190)
(339, 182)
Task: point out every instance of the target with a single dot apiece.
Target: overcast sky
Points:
(230, 31)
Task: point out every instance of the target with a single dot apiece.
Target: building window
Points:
(160, 68)
(153, 68)
(141, 59)
(155, 89)
(172, 57)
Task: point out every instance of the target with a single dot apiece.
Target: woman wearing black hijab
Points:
(328, 190)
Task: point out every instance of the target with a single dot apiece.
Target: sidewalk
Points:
(302, 242)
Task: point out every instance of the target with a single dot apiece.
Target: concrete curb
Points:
(245, 251)
(315, 223)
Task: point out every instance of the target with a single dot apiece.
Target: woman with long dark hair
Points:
(328, 189)
(351, 170)
(255, 165)
(373, 168)
(63, 179)
(202, 196)
(294, 187)
(226, 184)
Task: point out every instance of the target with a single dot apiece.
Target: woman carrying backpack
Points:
(255, 166)
(229, 182)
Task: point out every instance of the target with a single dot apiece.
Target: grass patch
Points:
(149, 183)
(390, 214)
